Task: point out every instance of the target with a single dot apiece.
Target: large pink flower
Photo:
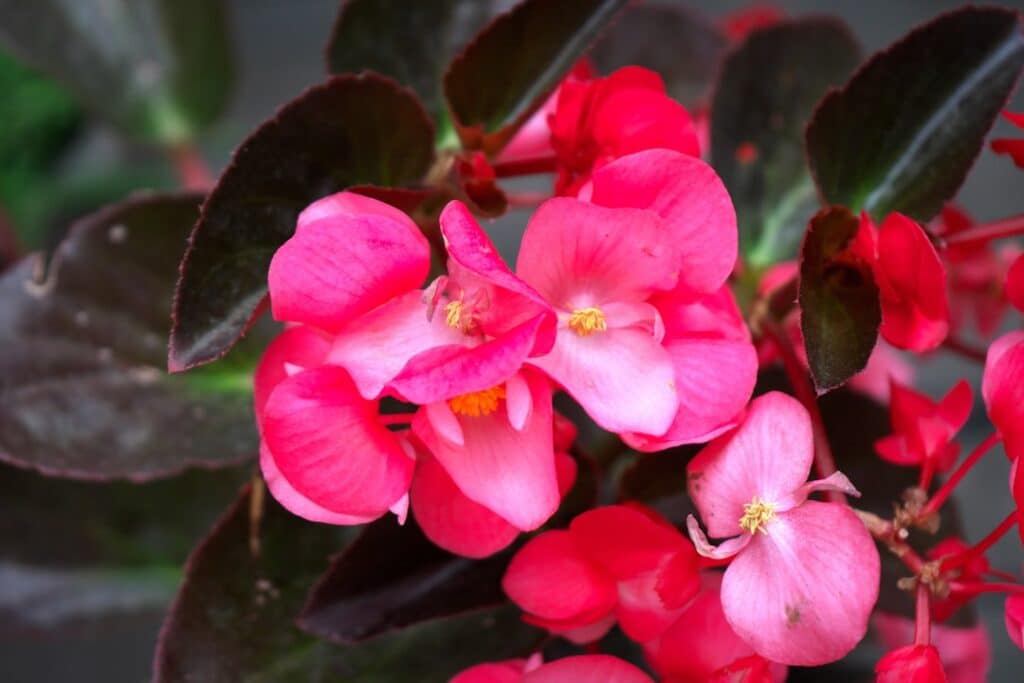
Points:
(649, 341)
(804, 574)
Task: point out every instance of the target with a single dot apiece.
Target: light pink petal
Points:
(477, 264)
(300, 346)
(444, 372)
(1002, 387)
(343, 205)
(588, 669)
(837, 481)
(550, 579)
(510, 671)
(295, 502)
(579, 255)
(1013, 613)
(453, 521)
(801, 594)
(692, 200)
(375, 347)
(714, 379)
(336, 269)
(638, 316)
(626, 541)
(723, 550)
(767, 457)
(518, 401)
(885, 364)
(511, 472)
(328, 443)
(622, 377)
(444, 423)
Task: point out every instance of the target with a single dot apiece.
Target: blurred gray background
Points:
(279, 47)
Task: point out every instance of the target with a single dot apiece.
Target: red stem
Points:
(964, 349)
(961, 559)
(947, 487)
(824, 463)
(977, 588)
(927, 474)
(528, 166)
(1005, 576)
(192, 169)
(923, 615)
(986, 232)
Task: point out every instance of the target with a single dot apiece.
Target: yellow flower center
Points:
(453, 314)
(477, 403)
(756, 515)
(586, 321)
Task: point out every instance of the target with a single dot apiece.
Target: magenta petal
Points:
(496, 672)
(641, 613)
(691, 199)
(801, 594)
(302, 347)
(327, 442)
(451, 520)
(1003, 390)
(343, 205)
(329, 273)
(723, 550)
(624, 540)
(511, 472)
(623, 378)
(587, 669)
(578, 255)
(767, 457)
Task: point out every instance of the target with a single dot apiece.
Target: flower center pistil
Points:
(477, 403)
(586, 321)
(756, 515)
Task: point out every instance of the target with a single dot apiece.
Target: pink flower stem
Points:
(940, 496)
(526, 200)
(193, 171)
(396, 419)
(923, 615)
(964, 349)
(976, 588)
(824, 463)
(1005, 576)
(529, 166)
(986, 232)
(961, 559)
(927, 474)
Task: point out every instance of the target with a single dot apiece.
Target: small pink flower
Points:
(649, 342)
(804, 575)
(923, 429)
(911, 664)
(614, 563)
(975, 570)
(1013, 613)
(966, 653)
(578, 669)
(1002, 387)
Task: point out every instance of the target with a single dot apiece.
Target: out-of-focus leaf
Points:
(658, 480)
(350, 130)
(903, 132)
(392, 576)
(83, 392)
(839, 307)
(766, 92)
(157, 69)
(678, 42)
(233, 617)
(508, 70)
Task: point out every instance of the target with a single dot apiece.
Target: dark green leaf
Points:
(351, 130)
(233, 618)
(392, 576)
(508, 70)
(903, 132)
(658, 480)
(766, 92)
(411, 42)
(158, 69)
(678, 42)
(83, 391)
(839, 307)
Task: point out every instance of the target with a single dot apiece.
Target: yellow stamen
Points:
(756, 515)
(478, 403)
(586, 321)
(453, 314)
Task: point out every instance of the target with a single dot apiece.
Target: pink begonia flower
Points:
(1015, 283)
(975, 570)
(966, 653)
(1014, 147)
(923, 429)
(1013, 613)
(700, 644)
(911, 281)
(578, 669)
(911, 664)
(976, 274)
(649, 341)
(597, 121)
(1002, 387)
(614, 563)
(804, 574)
(348, 283)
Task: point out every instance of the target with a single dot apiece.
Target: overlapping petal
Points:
(1002, 387)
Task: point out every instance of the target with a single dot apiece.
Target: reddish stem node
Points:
(986, 232)
(528, 166)
(944, 492)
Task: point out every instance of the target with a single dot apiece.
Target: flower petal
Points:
(342, 205)
(626, 541)
(622, 377)
(801, 594)
(327, 442)
(587, 669)
(1002, 387)
(453, 521)
(339, 267)
(690, 197)
(300, 346)
(510, 671)
(767, 457)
